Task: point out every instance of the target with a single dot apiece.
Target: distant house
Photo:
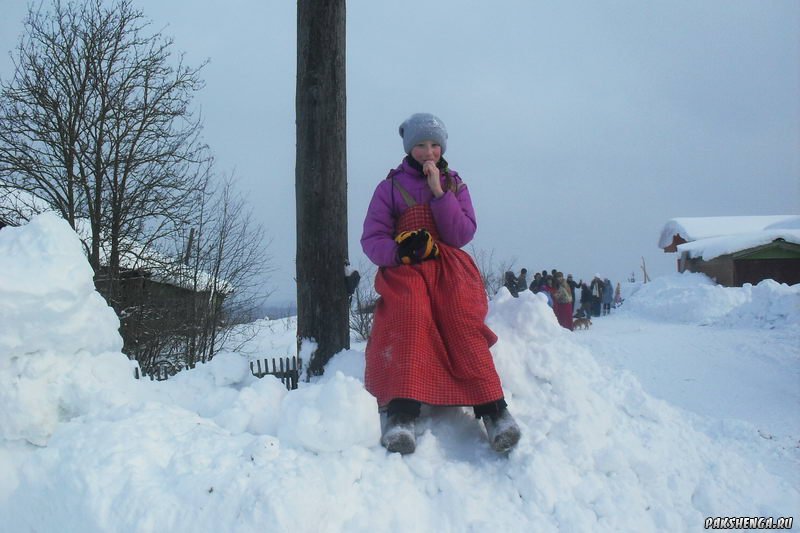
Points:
(736, 250)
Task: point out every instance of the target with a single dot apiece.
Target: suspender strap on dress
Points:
(410, 202)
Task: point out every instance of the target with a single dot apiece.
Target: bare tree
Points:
(215, 282)
(492, 270)
(321, 180)
(42, 110)
(228, 261)
(96, 123)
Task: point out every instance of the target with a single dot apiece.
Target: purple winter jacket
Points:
(453, 212)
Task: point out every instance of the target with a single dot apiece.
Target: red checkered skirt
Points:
(429, 341)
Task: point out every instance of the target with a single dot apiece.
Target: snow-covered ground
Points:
(683, 404)
(731, 356)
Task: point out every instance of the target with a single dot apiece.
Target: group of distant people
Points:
(596, 298)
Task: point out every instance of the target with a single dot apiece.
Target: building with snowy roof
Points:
(738, 249)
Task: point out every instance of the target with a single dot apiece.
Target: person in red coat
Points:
(562, 301)
(429, 343)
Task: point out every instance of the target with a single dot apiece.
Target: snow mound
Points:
(47, 297)
(596, 435)
(59, 344)
(693, 298)
(331, 416)
(349, 362)
(769, 304)
(38, 392)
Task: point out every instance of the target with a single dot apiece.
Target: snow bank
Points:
(47, 297)
(332, 416)
(59, 345)
(692, 298)
(215, 449)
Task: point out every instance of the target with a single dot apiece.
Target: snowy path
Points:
(722, 374)
(742, 374)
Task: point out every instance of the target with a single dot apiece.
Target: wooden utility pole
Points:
(321, 180)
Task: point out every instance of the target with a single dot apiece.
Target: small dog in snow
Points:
(582, 322)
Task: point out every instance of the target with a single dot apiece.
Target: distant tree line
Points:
(96, 123)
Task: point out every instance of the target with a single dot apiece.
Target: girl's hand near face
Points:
(430, 170)
(427, 153)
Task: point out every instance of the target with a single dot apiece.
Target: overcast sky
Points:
(580, 127)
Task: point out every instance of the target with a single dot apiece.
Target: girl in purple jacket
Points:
(429, 343)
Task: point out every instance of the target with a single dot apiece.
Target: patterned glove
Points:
(416, 246)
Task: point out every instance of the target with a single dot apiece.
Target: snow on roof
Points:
(713, 247)
(700, 228)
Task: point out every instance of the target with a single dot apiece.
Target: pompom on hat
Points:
(423, 127)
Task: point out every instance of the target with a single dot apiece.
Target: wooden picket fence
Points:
(287, 369)
(161, 372)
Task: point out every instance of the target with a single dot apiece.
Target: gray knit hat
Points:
(423, 127)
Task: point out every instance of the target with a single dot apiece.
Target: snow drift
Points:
(693, 298)
(85, 447)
